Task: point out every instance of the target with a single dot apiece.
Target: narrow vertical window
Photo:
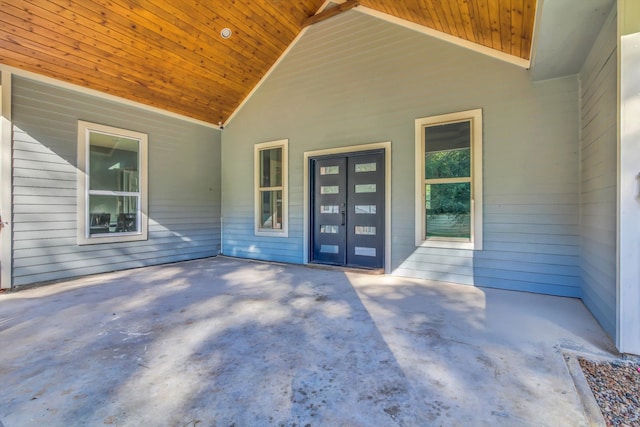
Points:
(449, 180)
(111, 184)
(271, 188)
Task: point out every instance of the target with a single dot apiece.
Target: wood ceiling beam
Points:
(314, 19)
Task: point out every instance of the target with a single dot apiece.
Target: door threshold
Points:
(346, 269)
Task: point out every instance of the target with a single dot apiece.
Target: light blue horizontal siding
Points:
(355, 79)
(184, 186)
(243, 244)
(96, 268)
(470, 262)
(598, 78)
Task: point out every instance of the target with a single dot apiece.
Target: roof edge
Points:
(514, 60)
(103, 95)
(511, 59)
(266, 75)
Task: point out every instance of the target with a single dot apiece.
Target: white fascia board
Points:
(536, 32)
(102, 95)
(511, 59)
(523, 63)
(266, 75)
(6, 178)
(280, 58)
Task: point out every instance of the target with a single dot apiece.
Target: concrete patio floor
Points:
(225, 342)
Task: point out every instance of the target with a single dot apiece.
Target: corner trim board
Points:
(6, 181)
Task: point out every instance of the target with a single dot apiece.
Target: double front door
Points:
(347, 205)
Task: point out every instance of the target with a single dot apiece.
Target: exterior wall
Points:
(355, 79)
(184, 186)
(598, 78)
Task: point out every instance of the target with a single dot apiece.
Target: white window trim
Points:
(84, 128)
(284, 231)
(475, 117)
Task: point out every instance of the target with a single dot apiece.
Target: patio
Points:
(221, 342)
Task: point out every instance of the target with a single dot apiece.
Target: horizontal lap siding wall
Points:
(184, 186)
(355, 79)
(598, 78)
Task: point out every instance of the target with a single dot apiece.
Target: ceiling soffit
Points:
(503, 25)
(170, 55)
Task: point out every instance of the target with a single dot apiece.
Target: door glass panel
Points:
(329, 170)
(365, 209)
(365, 251)
(365, 230)
(329, 209)
(329, 189)
(448, 208)
(329, 229)
(366, 188)
(329, 249)
(366, 167)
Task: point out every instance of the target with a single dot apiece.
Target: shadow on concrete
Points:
(484, 356)
(229, 342)
(216, 342)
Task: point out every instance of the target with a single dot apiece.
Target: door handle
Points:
(344, 214)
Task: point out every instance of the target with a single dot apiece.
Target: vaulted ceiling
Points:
(170, 54)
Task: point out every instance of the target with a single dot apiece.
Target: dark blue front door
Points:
(347, 205)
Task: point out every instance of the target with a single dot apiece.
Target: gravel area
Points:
(616, 387)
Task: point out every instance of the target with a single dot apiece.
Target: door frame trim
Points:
(386, 146)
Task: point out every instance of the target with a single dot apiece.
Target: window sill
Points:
(269, 233)
(448, 244)
(101, 239)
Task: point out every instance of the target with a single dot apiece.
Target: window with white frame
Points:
(271, 207)
(449, 180)
(112, 184)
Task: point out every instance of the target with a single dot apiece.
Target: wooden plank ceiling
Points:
(170, 55)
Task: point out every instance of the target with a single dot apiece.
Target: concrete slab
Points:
(221, 342)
